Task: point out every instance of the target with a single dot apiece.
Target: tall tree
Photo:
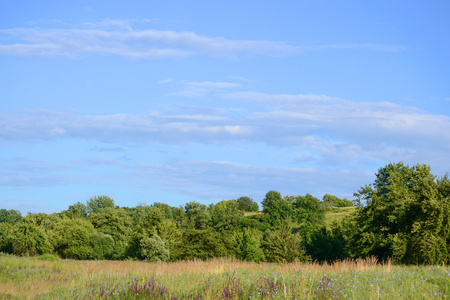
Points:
(98, 202)
(281, 245)
(276, 208)
(197, 214)
(405, 214)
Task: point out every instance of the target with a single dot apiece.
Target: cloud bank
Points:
(318, 126)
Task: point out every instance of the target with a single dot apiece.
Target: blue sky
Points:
(163, 101)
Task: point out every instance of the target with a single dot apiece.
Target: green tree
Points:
(153, 249)
(166, 209)
(226, 214)
(154, 223)
(309, 209)
(336, 201)
(6, 230)
(99, 202)
(102, 245)
(276, 208)
(202, 244)
(247, 204)
(11, 216)
(197, 215)
(29, 240)
(281, 245)
(250, 244)
(404, 215)
(72, 238)
(117, 224)
(77, 210)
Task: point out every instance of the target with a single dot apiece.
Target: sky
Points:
(175, 101)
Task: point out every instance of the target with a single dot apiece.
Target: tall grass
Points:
(33, 278)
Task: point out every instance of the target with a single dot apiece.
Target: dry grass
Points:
(25, 278)
(252, 213)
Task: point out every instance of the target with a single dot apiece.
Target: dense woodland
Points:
(404, 215)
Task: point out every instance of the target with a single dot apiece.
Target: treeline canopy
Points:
(403, 216)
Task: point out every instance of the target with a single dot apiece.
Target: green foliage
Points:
(247, 204)
(202, 244)
(405, 215)
(276, 208)
(197, 214)
(102, 245)
(77, 210)
(325, 244)
(5, 237)
(117, 224)
(250, 244)
(72, 238)
(226, 214)
(29, 240)
(281, 245)
(153, 249)
(309, 209)
(99, 202)
(166, 209)
(336, 201)
(11, 216)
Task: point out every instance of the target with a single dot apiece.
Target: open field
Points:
(38, 278)
(338, 213)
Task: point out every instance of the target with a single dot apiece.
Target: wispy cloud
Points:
(198, 88)
(211, 180)
(119, 37)
(332, 130)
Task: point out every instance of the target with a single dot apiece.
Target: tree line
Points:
(404, 216)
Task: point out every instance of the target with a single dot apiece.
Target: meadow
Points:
(48, 277)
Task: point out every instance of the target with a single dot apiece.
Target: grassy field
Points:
(49, 278)
(338, 213)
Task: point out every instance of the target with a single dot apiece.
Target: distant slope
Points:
(338, 213)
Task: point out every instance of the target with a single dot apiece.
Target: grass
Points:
(252, 213)
(33, 278)
(337, 214)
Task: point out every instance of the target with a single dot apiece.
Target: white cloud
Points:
(118, 37)
(198, 88)
(336, 131)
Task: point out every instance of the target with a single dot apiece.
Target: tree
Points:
(404, 215)
(336, 201)
(77, 210)
(202, 244)
(102, 245)
(276, 208)
(72, 238)
(309, 209)
(11, 216)
(166, 209)
(281, 245)
(29, 240)
(247, 204)
(226, 214)
(197, 214)
(153, 249)
(250, 244)
(99, 202)
(116, 223)
(6, 230)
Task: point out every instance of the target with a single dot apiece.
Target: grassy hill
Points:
(338, 213)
